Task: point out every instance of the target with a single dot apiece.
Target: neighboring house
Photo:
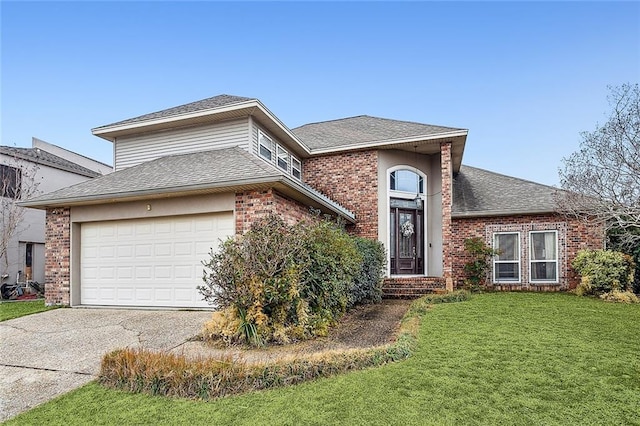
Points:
(188, 176)
(37, 170)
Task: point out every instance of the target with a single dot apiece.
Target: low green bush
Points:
(423, 304)
(602, 271)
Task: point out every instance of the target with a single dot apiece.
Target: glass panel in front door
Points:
(407, 235)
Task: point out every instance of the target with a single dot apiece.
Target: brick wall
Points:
(57, 257)
(573, 235)
(351, 179)
(254, 205)
(447, 236)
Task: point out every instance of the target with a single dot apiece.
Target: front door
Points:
(406, 241)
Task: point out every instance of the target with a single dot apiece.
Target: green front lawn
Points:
(14, 309)
(501, 358)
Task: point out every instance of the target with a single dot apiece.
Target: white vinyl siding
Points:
(151, 262)
(131, 151)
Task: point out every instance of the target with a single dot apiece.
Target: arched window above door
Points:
(404, 180)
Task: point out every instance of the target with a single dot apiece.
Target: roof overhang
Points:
(422, 144)
(495, 213)
(251, 108)
(281, 183)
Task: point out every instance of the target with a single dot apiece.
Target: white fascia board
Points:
(56, 202)
(494, 213)
(177, 117)
(231, 185)
(254, 103)
(282, 126)
(378, 144)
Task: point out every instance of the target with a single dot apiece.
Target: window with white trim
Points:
(543, 256)
(265, 146)
(296, 168)
(282, 158)
(506, 264)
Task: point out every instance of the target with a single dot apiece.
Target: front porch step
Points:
(412, 287)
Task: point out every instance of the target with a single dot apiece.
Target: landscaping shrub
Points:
(367, 283)
(278, 283)
(476, 269)
(328, 262)
(603, 271)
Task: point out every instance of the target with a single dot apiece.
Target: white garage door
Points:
(148, 262)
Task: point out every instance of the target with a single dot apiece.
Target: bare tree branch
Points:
(17, 182)
(602, 179)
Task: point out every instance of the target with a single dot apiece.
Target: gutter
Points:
(123, 196)
(366, 145)
(493, 213)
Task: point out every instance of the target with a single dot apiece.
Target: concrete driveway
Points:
(48, 354)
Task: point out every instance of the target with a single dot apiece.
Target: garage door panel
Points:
(143, 273)
(148, 262)
(162, 249)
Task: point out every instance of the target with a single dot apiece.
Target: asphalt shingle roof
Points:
(45, 158)
(174, 172)
(201, 105)
(362, 129)
(478, 192)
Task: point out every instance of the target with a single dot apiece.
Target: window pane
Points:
(393, 235)
(543, 246)
(507, 246)
(266, 146)
(296, 168)
(407, 181)
(283, 159)
(543, 271)
(506, 272)
(406, 237)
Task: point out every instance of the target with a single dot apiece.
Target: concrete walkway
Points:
(51, 353)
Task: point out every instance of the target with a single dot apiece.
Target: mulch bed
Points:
(363, 327)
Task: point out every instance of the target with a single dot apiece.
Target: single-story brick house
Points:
(188, 176)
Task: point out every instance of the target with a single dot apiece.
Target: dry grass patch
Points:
(176, 375)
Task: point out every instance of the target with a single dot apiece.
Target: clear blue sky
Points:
(524, 78)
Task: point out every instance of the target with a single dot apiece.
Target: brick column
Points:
(57, 248)
(447, 240)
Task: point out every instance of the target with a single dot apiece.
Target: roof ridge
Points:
(378, 118)
(332, 120)
(60, 163)
(182, 109)
(512, 177)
